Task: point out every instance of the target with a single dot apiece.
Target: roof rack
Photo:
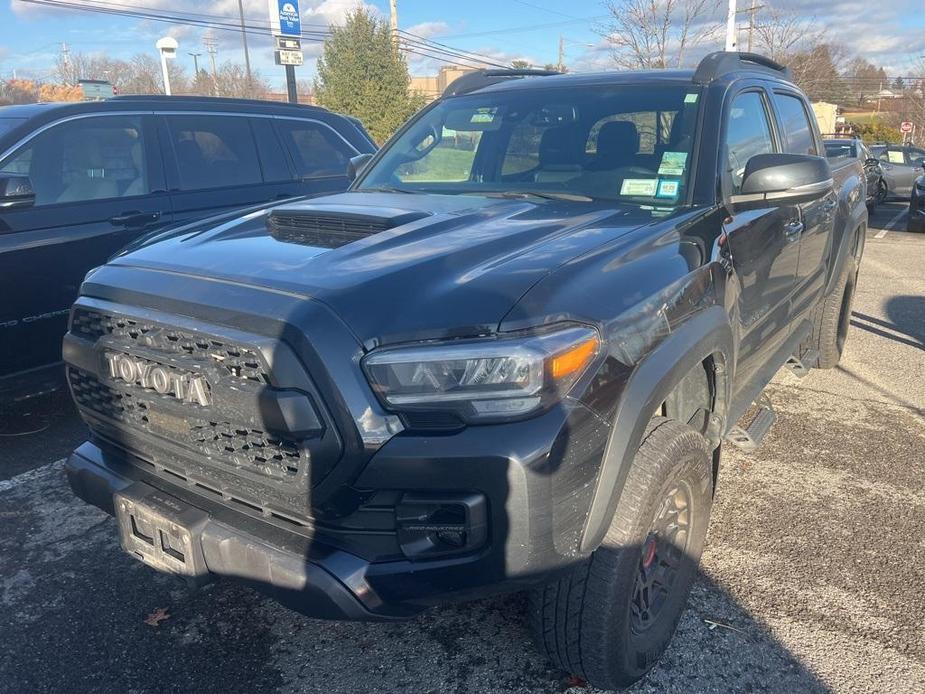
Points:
(478, 79)
(189, 98)
(715, 65)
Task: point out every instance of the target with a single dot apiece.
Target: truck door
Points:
(798, 136)
(763, 244)
(99, 184)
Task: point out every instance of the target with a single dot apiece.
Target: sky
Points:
(889, 33)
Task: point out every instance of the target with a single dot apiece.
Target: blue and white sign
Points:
(284, 17)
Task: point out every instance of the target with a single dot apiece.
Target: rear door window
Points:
(214, 151)
(272, 157)
(316, 150)
(796, 130)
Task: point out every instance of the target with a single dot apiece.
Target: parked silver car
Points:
(901, 166)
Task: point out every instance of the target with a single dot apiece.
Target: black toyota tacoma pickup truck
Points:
(505, 359)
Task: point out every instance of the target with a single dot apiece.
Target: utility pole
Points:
(732, 42)
(751, 24)
(561, 64)
(195, 62)
(247, 57)
(393, 22)
(209, 42)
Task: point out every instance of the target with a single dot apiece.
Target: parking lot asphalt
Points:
(813, 578)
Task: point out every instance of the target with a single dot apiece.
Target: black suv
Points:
(505, 359)
(79, 181)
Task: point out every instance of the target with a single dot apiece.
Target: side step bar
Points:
(801, 365)
(748, 438)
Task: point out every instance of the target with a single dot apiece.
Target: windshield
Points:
(628, 143)
(7, 124)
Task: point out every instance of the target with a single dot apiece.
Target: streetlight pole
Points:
(195, 62)
(731, 37)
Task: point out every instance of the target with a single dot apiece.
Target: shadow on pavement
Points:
(77, 606)
(905, 317)
(37, 431)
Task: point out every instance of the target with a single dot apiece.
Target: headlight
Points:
(483, 380)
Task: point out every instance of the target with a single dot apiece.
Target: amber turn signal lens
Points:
(575, 359)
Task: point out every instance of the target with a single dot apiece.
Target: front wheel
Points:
(612, 616)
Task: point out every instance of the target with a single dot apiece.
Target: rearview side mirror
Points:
(356, 165)
(16, 191)
(783, 179)
(870, 161)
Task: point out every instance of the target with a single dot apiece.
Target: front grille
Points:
(240, 362)
(233, 445)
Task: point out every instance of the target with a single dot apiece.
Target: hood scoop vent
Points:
(335, 226)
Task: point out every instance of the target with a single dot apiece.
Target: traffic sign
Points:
(284, 43)
(284, 17)
(288, 57)
(906, 126)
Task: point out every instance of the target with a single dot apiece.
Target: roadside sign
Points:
(94, 90)
(288, 57)
(284, 43)
(906, 126)
(284, 18)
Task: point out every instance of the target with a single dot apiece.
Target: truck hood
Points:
(450, 264)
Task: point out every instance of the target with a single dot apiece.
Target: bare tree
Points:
(779, 33)
(232, 80)
(657, 33)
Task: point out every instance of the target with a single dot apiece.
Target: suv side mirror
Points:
(870, 161)
(789, 179)
(16, 191)
(356, 165)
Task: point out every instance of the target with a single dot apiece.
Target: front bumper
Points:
(533, 496)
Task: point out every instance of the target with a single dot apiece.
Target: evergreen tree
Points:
(362, 73)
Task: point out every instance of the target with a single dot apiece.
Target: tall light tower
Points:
(168, 47)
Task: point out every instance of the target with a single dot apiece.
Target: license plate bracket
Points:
(161, 530)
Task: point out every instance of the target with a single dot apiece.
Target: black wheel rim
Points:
(881, 192)
(661, 558)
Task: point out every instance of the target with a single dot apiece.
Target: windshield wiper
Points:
(546, 194)
(386, 189)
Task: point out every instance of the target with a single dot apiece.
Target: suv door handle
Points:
(792, 230)
(135, 218)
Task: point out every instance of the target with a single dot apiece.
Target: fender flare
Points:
(706, 334)
(846, 245)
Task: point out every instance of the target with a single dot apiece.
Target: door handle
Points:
(792, 230)
(135, 218)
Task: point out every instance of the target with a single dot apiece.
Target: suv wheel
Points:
(833, 317)
(611, 617)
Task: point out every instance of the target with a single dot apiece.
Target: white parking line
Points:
(887, 227)
(29, 475)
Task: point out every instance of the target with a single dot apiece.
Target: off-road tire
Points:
(832, 317)
(585, 620)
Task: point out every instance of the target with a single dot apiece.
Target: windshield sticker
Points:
(643, 187)
(895, 157)
(667, 189)
(484, 115)
(690, 98)
(672, 164)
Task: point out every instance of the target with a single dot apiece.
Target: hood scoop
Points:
(333, 226)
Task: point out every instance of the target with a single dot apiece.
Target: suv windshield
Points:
(628, 143)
